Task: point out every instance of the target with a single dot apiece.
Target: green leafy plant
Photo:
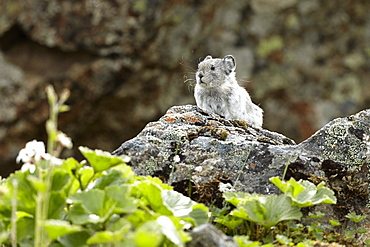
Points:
(305, 193)
(100, 201)
(358, 230)
(264, 210)
(269, 218)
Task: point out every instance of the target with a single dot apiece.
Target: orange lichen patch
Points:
(253, 166)
(192, 119)
(170, 119)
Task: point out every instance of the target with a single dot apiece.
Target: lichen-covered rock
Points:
(125, 63)
(202, 147)
(208, 235)
(343, 140)
(190, 148)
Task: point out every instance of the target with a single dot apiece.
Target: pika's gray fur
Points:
(218, 91)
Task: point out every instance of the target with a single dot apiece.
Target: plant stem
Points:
(38, 215)
(286, 166)
(43, 197)
(13, 232)
(241, 170)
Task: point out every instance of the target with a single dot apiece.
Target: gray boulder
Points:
(203, 155)
(208, 235)
(187, 144)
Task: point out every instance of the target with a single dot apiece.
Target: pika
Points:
(218, 91)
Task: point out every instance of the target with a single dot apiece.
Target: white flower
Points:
(176, 158)
(32, 152)
(54, 160)
(28, 167)
(64, 140)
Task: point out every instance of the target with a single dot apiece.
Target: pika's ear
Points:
(207, 57)
(229, 63)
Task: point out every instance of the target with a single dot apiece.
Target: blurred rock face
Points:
(125, 62)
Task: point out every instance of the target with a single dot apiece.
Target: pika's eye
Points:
(213, 67)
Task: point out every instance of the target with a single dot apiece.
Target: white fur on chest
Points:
(216, 99)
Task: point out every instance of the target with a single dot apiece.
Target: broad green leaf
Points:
(101, 160)
(126, 172)
(349, 234)
(181, 224)
(150, 193)
(77, 239)
(71, 167)
(279, 208)
(120, 195)
(282, 185)
(37, 183)
(316, 215)
(26, 193)
(268, 210)
(220, 211)
(243, 241)
(149, 234)
(117, 223)
(90, 206)
(313, 196)
(111, 178)
(236, 198)
(117, 238)
(103, 238)
(295, 187)
(25, 228)
(58, 228)
(21, 214)
(139, 217)
(156, 181)
(169, 230)
(334, 222)
(283, 239)
(79, 216)
(70, 164)
(361, 230)
(240, 212)
(56, 205)
(256, 212)
(85, 175)
(305, 193)
(61, 179)
(177, 203)
(93, 200)
(229, 221)
(291, 187)
(268, 239)
(356, 218)
(199, 214)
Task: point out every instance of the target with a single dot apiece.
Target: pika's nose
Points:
(200, 77)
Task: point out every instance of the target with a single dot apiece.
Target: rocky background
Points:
(126, 62)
